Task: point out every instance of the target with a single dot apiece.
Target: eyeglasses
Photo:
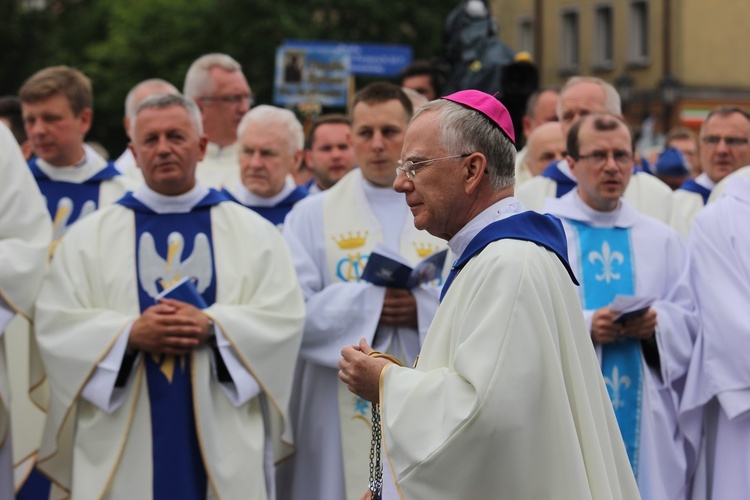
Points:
(410, 172)
(732, 142)
(230, 99)
(599, 158)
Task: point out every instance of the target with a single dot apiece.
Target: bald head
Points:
(140, 92)
(545, 145)
(582, 96)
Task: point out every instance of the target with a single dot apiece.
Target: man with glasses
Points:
(331, 236)
(724, 149)
(216, 83)
(579, 97)
(616, 251)
(506, 399)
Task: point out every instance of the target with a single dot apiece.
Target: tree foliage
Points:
(118, 44)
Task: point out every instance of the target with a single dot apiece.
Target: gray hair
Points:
(197, 79)
(723, 111)
(156, 84)
(464, 130)
(612, 101)
(267, 115)
(161, 101)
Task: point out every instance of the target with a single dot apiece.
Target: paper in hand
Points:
(630, 307)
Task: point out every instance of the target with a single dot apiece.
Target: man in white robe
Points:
(328, 151)
(581, 96)
(25, 233)
(716, 403)
(614, 250)
(170, 398)
(216, 83)
(506, 400)
(331, 236)
(725, 147)
(271, 148)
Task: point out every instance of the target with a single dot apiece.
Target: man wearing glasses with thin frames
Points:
(724, 149)
(219, 88)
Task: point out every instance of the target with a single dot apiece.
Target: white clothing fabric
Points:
(646, 193)
(127, 166)
(25, 233)
(85, 304)
(220, 167)
(716, 403)
(244, 196)
(339, 314)
(718, 190)
(663, 464)
(686, 206)
(506, 388)
(522, 170)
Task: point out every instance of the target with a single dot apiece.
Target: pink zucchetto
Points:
(489, 106)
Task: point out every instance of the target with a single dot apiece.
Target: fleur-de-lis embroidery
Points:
(617, 384)
(607, 257)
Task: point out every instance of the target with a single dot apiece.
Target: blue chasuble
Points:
(277, 213)
(169, 247)
(607, 270)
(564, 183)
(694, 187)
(68, 201)
(545, 230)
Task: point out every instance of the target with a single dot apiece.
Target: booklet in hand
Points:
(630, 307)
(184, 291)
(387, 268)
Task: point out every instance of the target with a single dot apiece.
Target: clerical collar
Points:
(88, 166)
(500, 210)
(380, 193)
(241, 193)
(163, 204)
(571, 206)
(214, 151)
(705, 181)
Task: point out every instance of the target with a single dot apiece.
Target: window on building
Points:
(638, 46)
(603, 38)
(569, 46)
(525, 36)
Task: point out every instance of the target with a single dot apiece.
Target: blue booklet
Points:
(387, 268)
(184, 291)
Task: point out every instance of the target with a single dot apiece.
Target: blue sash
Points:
(694, 187)
(168, 247)
(277, 213)
(564, 183)
(545, 230)
(68, 201)
(607, 270)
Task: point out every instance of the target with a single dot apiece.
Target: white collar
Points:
(244, 196)
(163, 204)
(499, 210)
(88, 166)
(571, 206)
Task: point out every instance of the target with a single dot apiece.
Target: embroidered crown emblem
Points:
(424, 249)
(352, 241)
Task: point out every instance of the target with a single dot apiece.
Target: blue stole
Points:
(170, 246)
(564, 183)
(545, 230)
(68, 201)
(277, 213)
(607, 270)
(694, 187)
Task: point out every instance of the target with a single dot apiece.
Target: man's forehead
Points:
(57, 100)
(172, 117)
(590, 133)
(733, 121)
(266, 134)
(366, 113)
(331, 132)
(585, 93)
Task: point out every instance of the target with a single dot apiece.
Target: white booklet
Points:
(629, 306)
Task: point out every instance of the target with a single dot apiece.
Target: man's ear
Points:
(475, 167)
(572, 164)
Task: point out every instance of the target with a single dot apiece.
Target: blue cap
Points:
(672, 163)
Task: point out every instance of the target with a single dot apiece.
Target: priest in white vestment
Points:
(716, 404)
(581, 96)
(616, 251)
(506, 399)
(218, 86)
(182, 397)
(25, 234)
(331, 236)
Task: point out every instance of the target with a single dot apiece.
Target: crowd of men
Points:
(193, 319)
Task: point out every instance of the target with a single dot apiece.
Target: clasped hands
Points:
(169, 327)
